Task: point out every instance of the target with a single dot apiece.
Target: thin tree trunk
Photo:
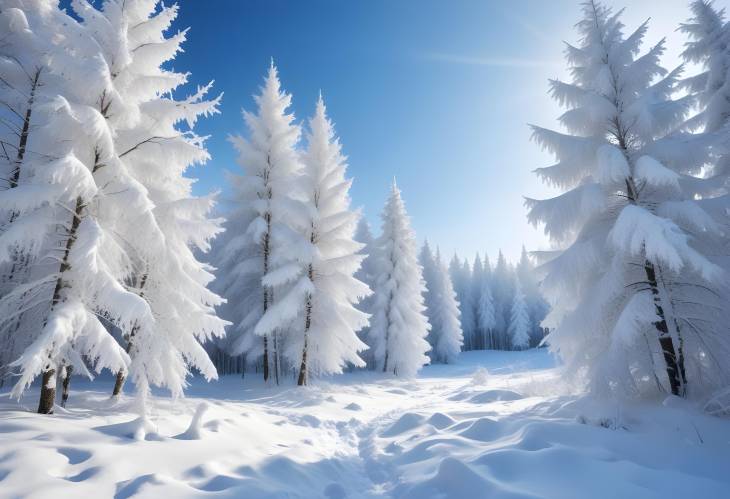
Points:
(307, 324)
(15, 174)
(267, 249)
(276, 356)
(66, 384)
(674, 363)
(121, 374)
(49, 392)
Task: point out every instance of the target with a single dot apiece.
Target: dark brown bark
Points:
(48, 392)
(121, 374)
(66, 384)
(48, 373)
(303, 374)
(15, 174)
(267, 240)
(674, 363)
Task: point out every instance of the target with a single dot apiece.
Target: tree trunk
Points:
(15, 174)
(121, 374)
(66, 384)
(49, 372)
(48, 392)
(674, 361)
(267, 251)
(303, 368)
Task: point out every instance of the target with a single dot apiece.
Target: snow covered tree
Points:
(502, 295)
(366, 273)
(157, 151)
(537, 307)
(709, 47)
(398, 325)
(26, 55)
(632, 279)
(427, 261)
(74, 196)
(473, 341)
(446, 326)
(329, 338)
(519, 324)
(265, 252)
(486, 315)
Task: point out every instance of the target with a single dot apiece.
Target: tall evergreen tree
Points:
(399, 325)
(83, 197)
(632, 277)
(536, 305)
(157, 151)
(446, 333)
(475, 290)
(264, 251)
(367, 274)
(519, 324)
(329, 339)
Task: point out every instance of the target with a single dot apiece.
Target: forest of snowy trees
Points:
(109, 262)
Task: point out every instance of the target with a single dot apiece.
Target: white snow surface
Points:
(493, 424)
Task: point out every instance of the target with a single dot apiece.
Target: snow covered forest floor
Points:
(495, 424)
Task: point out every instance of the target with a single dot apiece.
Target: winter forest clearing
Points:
(268, 336)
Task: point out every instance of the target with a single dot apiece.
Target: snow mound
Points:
(495, 396)
(406, 422)
(440, 420)
(194, 430)
(483, 429)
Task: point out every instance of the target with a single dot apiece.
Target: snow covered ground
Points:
(510, 431)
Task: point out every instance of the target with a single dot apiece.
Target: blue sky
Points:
(435, 93)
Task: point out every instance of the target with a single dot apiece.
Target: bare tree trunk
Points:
(48, 392)
(15, 174)
(121, 374)
(267, 251)
(66, 384)
(674, 362)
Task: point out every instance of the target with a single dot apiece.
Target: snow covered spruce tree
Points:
(74, 189)
(519, 324)
(446, 331)
(27, 84)
(502, 294)
(709, 46)
(265, 253)
(537, 307)
(157, 151)
(366, 273)
(486, 317)
(630, 287)
(473, 341)
(399, 325)
(329, 338)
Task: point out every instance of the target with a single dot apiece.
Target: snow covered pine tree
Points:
(398, 326)
(157, 153)
(265, 250)
(627, 286)
(331, 321)
(71, 189)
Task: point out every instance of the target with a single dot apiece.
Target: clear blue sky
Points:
(435, 93)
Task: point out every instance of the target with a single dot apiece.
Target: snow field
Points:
(456, 431)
